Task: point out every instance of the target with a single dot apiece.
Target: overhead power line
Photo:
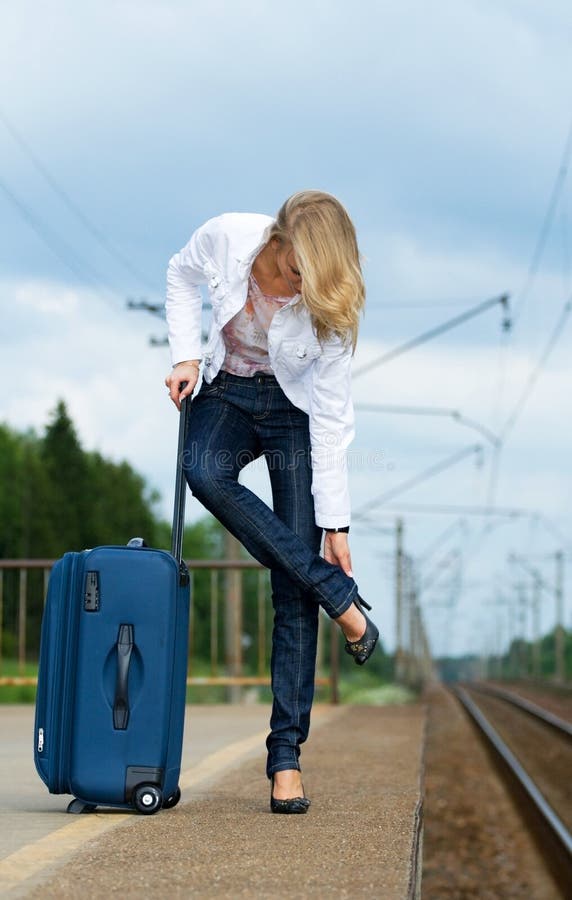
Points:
(546, 225)
(430, 304)
(439, 540)
(520, 301)
(451, 558)
(64, 196)
(527, 391)
(451, 509)
(57, 245)
(434, 332)
(523, 562)
(417, 479)
(556, 533)
(430, 411)
(535, 374)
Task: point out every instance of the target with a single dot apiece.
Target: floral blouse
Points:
(246, 335)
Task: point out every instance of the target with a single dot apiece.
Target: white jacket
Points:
(314, 376)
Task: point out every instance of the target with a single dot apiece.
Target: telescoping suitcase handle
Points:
(180, 483)
(126, 637)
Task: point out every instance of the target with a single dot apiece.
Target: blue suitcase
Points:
(112, 677)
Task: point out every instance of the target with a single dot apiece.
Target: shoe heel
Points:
(361, 650)
(359, 601)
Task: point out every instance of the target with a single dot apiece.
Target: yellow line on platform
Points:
(32, 859)
(43, 853)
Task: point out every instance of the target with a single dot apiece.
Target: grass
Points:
(367, 688)
(17, 693)
(361, 687)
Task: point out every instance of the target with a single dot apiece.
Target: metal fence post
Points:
(214, 623)
(15, 602)
(261, 603)
(233, 618)
(1, 613)
(23, 584)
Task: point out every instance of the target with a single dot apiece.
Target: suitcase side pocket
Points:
(56, 674)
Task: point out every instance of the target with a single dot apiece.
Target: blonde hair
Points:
(324, 240)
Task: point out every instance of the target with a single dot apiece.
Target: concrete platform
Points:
(361, 836)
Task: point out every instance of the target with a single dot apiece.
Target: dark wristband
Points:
(344, 530)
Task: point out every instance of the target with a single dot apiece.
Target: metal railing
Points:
(23, 589)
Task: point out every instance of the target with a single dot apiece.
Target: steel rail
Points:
(533, 709)
(550, 818)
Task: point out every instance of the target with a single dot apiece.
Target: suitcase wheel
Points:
(170, 802)
(147, 799)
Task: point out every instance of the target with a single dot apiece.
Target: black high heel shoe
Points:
(361, 650)
(297, 805)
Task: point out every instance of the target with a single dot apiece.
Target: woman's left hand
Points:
(337, 551)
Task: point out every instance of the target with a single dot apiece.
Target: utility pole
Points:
(412, 674)
(510, 638)
(536, 591)
(522, 663)
(419, 647)
(559, 629)
(427, 661)
(557, 589)
(512, 629)
(498, 640)
(399, 674)
(504, 671)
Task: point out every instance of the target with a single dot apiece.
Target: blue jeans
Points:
(233, 421)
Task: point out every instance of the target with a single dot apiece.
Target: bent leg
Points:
(221, 442)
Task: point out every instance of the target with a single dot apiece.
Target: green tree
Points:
(24, 489)
(120, 506)
(67, 471)
(11, 537)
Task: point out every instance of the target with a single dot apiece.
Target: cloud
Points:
(45, 298)
(112, 382)
(441, 126)
(468, 379)
(433, 125)
(98, 361)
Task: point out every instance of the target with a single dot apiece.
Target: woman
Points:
(286, 298)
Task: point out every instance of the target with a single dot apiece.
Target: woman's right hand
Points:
(184, 371)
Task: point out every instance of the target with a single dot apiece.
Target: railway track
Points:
(534, 748)
(559, 724)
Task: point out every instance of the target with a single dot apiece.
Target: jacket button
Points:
(300, 351)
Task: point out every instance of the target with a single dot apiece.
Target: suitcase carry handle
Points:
(180, 482)
(124, 647)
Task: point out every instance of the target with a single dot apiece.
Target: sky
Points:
(443, 127)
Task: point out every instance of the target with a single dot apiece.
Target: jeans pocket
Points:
(214, 389)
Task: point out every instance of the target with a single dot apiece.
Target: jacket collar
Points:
(245, 260)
